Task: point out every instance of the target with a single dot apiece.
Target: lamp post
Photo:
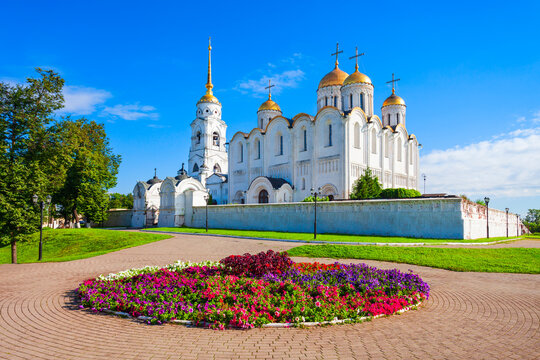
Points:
(517, 225)
(507, 209)
(486, 199)
(145, 213)
(206, 197)
(424, 177)
(41, 203)
(315, 195)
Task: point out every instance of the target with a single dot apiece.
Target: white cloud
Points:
(536, 117)
(81, 100)
(506, 165)
(131, 112)
(286, 79)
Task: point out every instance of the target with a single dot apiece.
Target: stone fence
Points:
(449, 217)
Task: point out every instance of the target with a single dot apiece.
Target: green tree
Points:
(311, 198)
(121, 201)
(25, 111)
(532, 220)
(366, 186)
(89, 166)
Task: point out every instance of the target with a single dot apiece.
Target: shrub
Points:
(399, 193)
(258, 265)
(312, 199)
(366, 186)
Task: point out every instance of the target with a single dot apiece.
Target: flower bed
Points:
(253, 291)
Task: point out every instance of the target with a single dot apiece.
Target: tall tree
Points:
(25, 111)
(366, 186)
(86, 158)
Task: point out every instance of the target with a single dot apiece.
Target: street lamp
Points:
(507, 209)
(486, 200)
(424, 177)
(41, 203)
(315, 194)
(206, 197)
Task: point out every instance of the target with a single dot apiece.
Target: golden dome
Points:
(269, 105)
(357, 78)
(334, 77)
(393, 100)
(209, 97)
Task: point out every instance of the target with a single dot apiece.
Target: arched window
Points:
(351, 101)
(335, 101)
(326, 101)
(304, 132)
(195, 168)
(303, 183)
(329, 134)
(215, 139)
(389, 120)
(399, 149)
(280, 144)
(362, 101)
(217, 168)
(397, 118)
(241, 152)
(357, 135)
(257, 149)
(373, 141)
(198, 137)
(261, 123)
(263, 197)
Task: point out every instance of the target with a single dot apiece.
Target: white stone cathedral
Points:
(282, 159)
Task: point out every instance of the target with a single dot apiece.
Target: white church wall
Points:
(421, 218)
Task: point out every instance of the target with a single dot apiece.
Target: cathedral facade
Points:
(285, 159)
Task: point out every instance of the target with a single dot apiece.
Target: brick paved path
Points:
(469, 316)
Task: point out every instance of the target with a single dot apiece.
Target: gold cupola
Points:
(335, 77)
(357, 77)
(209, 96)
(269, 104)
(393, 99)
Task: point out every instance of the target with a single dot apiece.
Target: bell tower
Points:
(208, 133)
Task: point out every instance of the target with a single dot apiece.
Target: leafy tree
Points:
(366, 187)
(480, 202)
(121, 201)
(399, 193)
(25, 111)
(87, 162)
(532, 220)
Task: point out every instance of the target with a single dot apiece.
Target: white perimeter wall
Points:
(446, 218)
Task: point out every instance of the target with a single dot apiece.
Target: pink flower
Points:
(317, 304)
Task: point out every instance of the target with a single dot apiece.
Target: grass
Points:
(73, 244)
(320, 237)
(506, 260)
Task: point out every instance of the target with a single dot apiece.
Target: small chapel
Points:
(283, 159)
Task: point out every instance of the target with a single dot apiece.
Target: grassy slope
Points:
(72, 244)
(508, 260)
(320, 237)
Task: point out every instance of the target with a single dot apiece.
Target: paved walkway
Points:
(469, 316)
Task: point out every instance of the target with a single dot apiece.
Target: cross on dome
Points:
(269, 87)
(337, 53)
(393, 81)
(356, 56)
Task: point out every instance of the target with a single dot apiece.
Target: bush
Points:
(366, 186)
(399, 193)
(312, 199)
(258, 265)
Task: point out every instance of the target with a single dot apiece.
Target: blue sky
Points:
(470, 75)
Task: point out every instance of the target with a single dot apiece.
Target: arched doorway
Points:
(263, 197)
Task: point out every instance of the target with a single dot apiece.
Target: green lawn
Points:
(507, 260)
(72, 244)
(320, 237)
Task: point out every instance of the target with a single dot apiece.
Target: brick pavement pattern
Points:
(468, 316)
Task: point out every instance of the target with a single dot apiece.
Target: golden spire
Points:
(337, 53)
(209, 85)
